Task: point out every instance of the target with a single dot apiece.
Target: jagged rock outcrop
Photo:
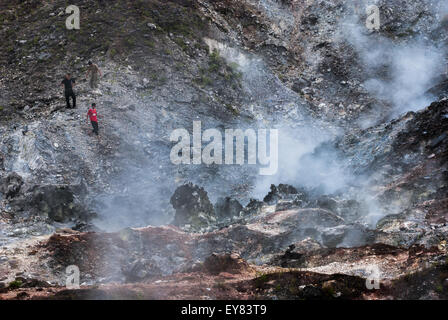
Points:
(193, 208)
(280, 192)
(10, 185)
(59, 204)
(56, 203)
(227, 208)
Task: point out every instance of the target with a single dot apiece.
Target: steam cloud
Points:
(400, 71)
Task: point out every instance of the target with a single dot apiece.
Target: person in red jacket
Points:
(93, 115)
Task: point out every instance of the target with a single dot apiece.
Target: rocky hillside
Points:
(363, 148)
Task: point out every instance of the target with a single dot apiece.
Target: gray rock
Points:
(226, 208)
(284, 191)
(10, 185)
(192, 207)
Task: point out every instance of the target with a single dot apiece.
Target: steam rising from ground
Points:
(306, 156)
(300, 166)
(400, 72)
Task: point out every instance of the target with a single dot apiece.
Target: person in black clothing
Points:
(68, 83)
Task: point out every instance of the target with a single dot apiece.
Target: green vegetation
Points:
(35, 41)
(234, 67)
(112, 52)
(218, 68)
(232, 109)
(130, 42)
(156, 78)
(180, 28)
(282, 77)
(203, 80)
(215, 61)
(329, 291)
(292, 287)
(145, 93)
(180, 66)
(163, 80)
(71, 36)
(261, 279)
(219, 284)
(139, 295)
(15, 284)
(181, 43)
(150, 44)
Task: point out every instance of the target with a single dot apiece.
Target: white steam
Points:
(399, 72)
(299, 166)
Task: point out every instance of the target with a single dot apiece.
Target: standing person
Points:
(93, 115)
(95, 70)
(68, 84)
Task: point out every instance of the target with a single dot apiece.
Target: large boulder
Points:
(226, 262)
(140, 269)
(193, 207)
(286, 197)
(326, 202)
(227, 208)
(281, 191)
(348, 209)
(252, 208)
(11, 184)
(58, 203)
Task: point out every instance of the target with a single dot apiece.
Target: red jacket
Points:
(93, 115)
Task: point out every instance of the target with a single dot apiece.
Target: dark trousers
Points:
(95, 127)
(69, 94)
